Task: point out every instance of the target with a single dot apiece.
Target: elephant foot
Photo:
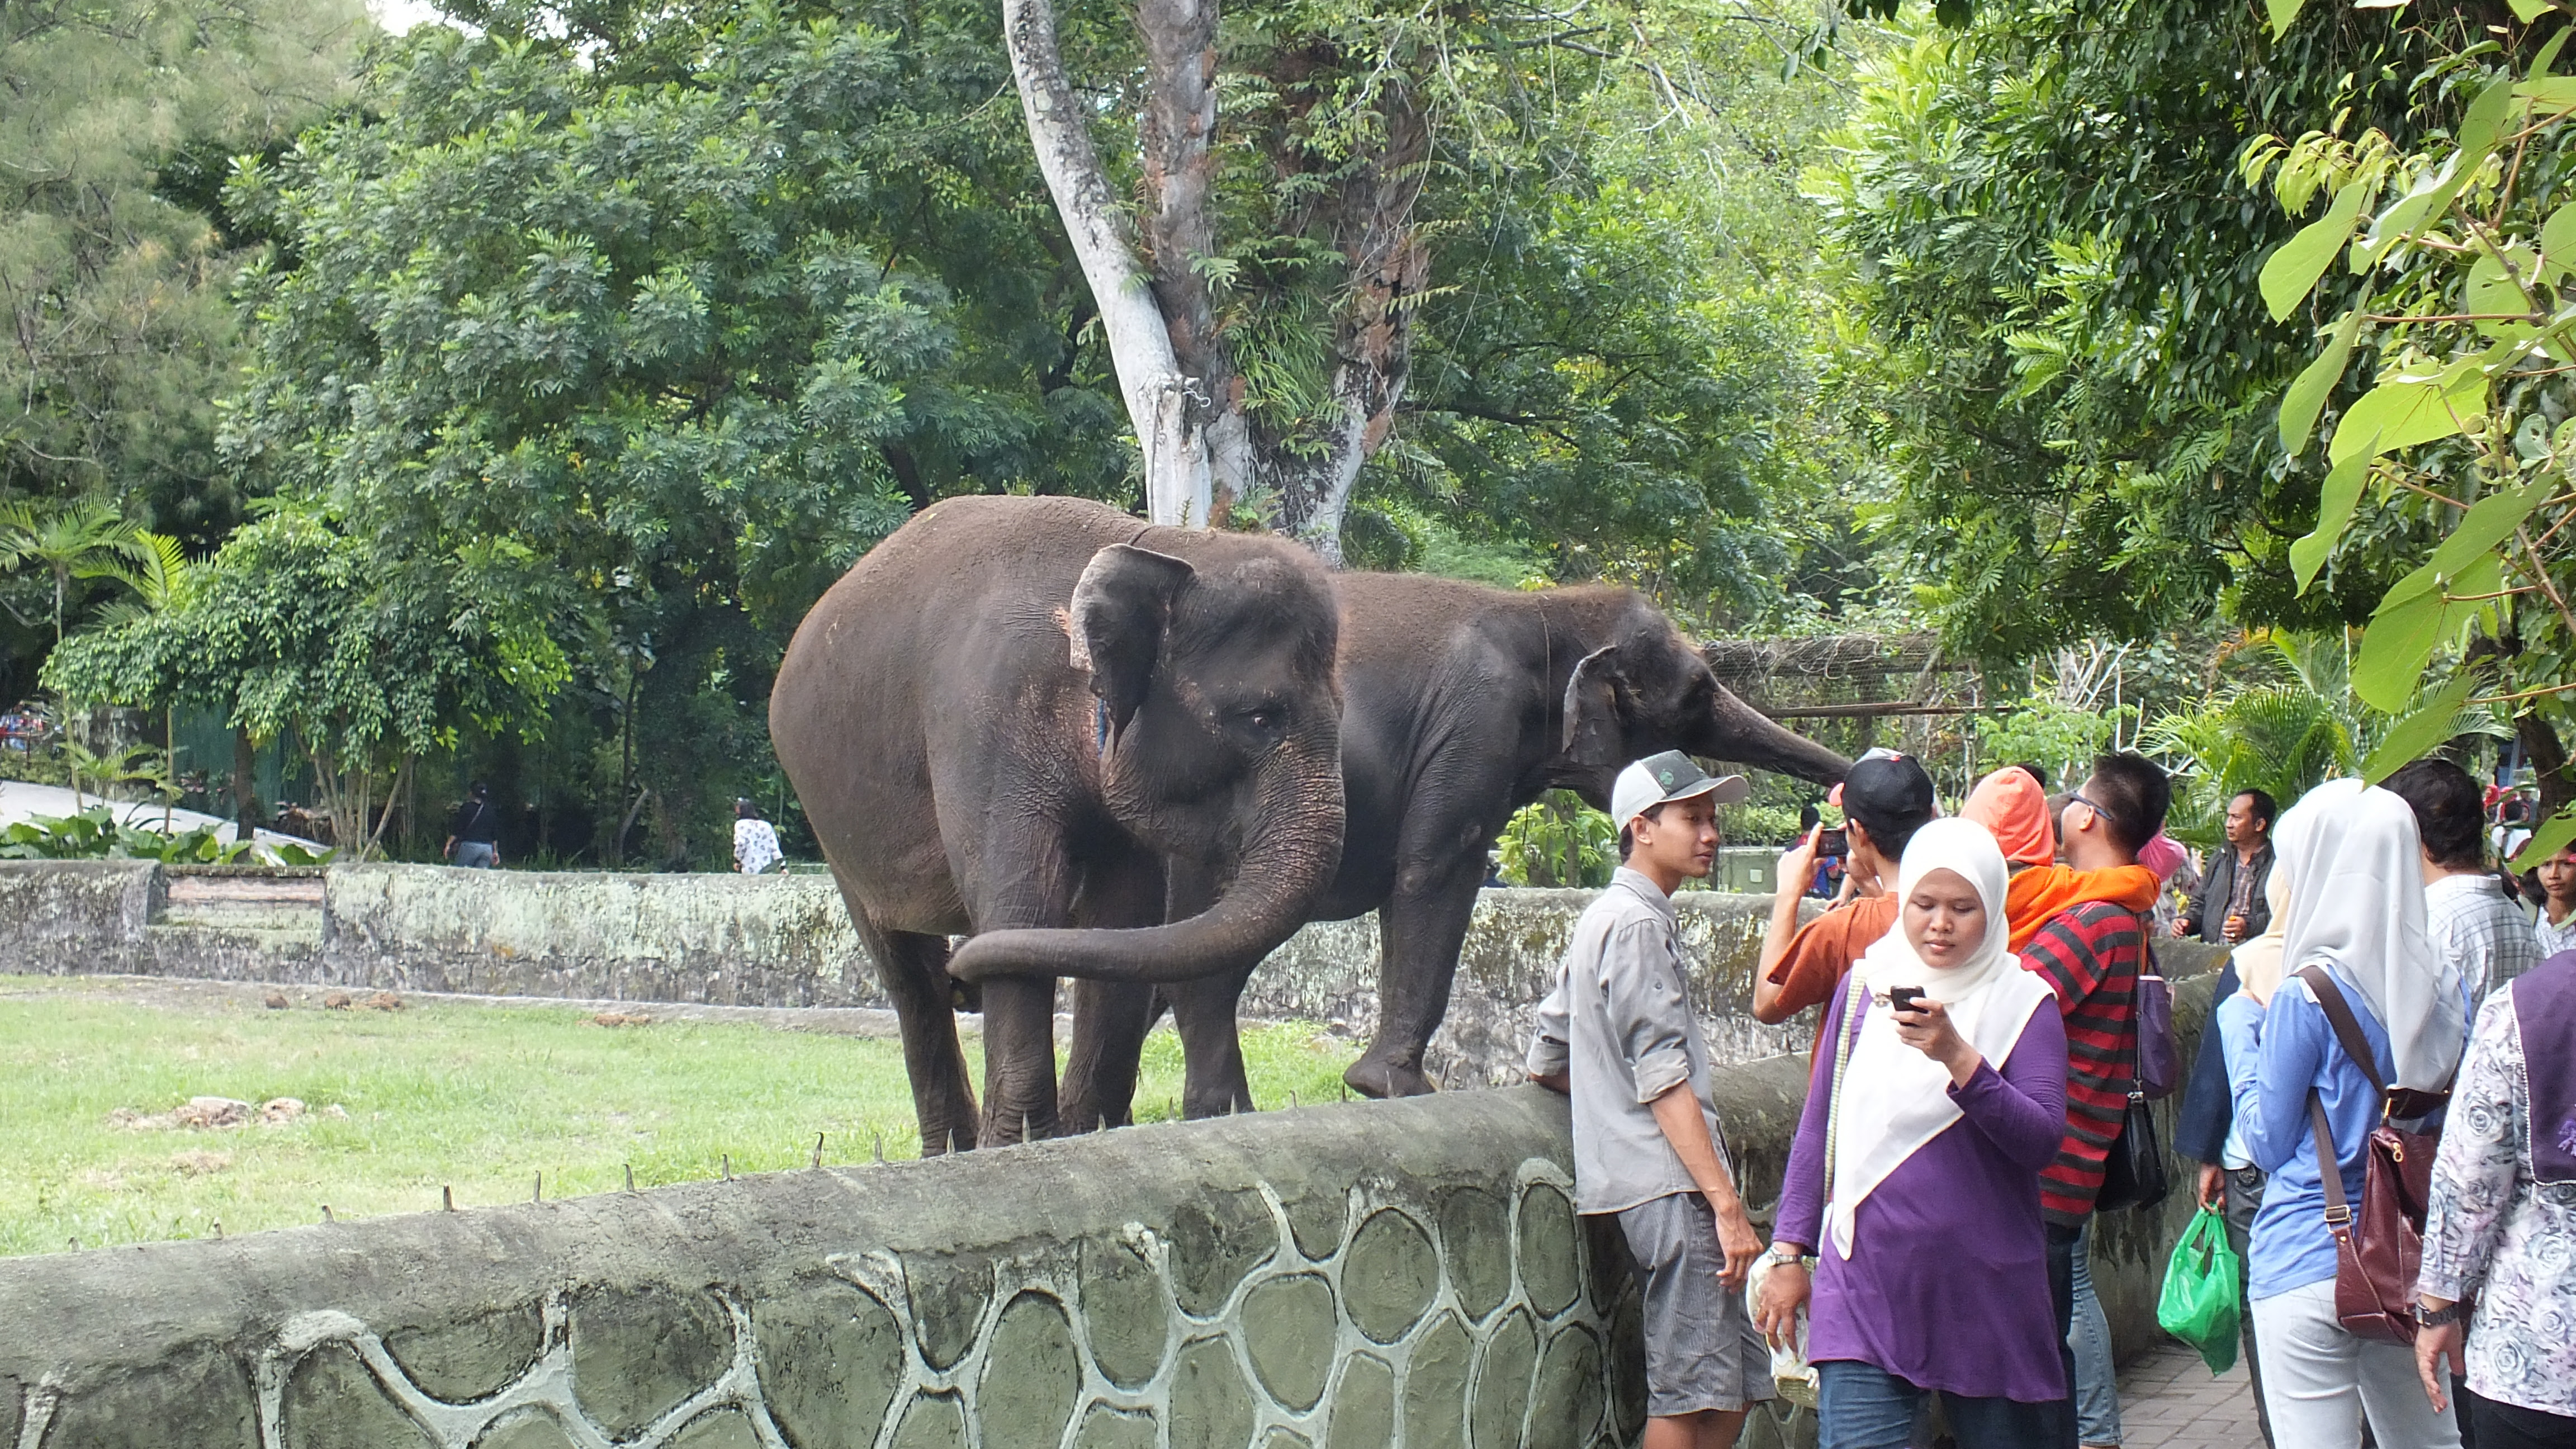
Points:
(1377, 1076)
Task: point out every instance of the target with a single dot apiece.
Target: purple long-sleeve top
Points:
(1947, 1284)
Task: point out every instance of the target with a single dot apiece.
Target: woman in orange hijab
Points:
(2011, 805)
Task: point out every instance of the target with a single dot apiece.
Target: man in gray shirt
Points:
(1619, 1037)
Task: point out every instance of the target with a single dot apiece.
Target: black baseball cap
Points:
(1887, 792)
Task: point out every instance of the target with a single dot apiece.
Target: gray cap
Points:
(1661, 779)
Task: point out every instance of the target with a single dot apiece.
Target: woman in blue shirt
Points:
(2357, 910)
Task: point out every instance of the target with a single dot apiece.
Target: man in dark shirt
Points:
(2230, 907)
(473, 839)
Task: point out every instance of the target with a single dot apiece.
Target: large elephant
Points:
(1460, 704)
(1006, 717)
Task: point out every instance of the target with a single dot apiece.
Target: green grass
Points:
(480, 1099)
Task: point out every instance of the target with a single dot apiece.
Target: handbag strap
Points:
(2347, 1029)
(1855, 1003)
(2329, 1165)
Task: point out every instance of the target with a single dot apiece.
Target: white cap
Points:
(1660, 779)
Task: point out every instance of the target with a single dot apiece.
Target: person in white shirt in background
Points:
(755, 841)
(2466, 912)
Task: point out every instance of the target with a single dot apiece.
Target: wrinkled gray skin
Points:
(1461, 704)
(1004, 718)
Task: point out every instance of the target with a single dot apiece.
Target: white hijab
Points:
(1894, 1098)
(2357, 903)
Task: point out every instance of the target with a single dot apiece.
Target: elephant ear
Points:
(1120, 608)
(1596, 704)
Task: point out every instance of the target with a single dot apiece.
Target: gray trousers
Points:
(2244, 1199)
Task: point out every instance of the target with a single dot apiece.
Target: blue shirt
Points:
(2274, 1058)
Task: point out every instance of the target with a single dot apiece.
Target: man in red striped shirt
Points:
(2091, 955)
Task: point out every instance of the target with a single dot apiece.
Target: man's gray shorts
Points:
(1702, 1350)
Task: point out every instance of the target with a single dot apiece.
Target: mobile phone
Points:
(1902, 998)
(1832, 842)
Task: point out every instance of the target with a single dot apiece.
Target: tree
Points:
(1260, 368)
(85, 538)
(290, 633)
(2078, 366)
(2450, 468)
(113, 264)
(630, 329)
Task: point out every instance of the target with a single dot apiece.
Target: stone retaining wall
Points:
(1373, 1274)
(755, 941)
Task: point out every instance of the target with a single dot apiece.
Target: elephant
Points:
(1461, 704)
(1005, 718)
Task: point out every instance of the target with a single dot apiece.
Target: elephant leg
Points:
(1213, 1083)
(914, 968)
(1110, 1019)
(1019, 1060)
(1110, 1022)
(1422, 926)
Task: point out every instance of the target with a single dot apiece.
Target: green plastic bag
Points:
(2203, 1299)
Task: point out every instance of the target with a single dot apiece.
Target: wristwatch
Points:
(2437, 1317)
(1783, 1253)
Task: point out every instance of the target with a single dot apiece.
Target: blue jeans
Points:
(477, 854)
(1863, 1406)
(2097, 1378)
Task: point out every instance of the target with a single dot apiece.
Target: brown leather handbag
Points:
(2378, 1247)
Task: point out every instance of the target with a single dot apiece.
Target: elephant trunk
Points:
(1292, 848)
(1739, 732)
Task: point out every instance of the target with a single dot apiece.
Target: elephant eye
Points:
(1267, 722)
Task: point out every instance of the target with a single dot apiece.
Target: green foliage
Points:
(96, 833)
(1757, 824)
(2080, 363)
(1557, 840)
(2454, 457)
(2059, 737)
(113, 263)
(606, 342)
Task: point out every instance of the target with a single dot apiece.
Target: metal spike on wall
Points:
(326, 1212)
(726, 1165)
(539, 1195)
(952, 1142)
(818, 1149)
(1024, 1129)
(630, 1177)
(880, 1149)
(219, 1230)
(447, 1199)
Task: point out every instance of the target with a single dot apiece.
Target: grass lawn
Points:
(480, 1099)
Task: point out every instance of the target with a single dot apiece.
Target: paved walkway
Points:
(2169, 1401)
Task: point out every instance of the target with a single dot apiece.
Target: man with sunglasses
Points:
(2091, 954)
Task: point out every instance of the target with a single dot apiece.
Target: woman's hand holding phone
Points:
(1924, 1024)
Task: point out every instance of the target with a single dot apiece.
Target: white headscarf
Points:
(1894, 1098)
(2357, 903)
(2258, 961)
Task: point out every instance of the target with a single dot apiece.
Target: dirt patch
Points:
(621, 1018)
(219, 1114)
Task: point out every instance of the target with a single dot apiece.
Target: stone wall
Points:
(1372, 1274)
(1400, 1273)
(752, 941)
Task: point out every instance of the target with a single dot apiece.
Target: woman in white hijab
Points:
(2356, 881)
(1916, 1168)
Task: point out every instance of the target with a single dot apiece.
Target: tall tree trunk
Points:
(2548, 763)
(247, 814)
(1370, 215)
(1169, 408)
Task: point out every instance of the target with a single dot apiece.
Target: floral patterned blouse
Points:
(2493, 1232)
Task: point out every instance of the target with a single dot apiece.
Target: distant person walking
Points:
(755, 841)
(473, 838)
(2501, 1229)
(2230, 906)
(1915, 1175)
(1619, 1037)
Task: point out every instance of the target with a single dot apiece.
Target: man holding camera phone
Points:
(1619, 1037)
(1885, 798)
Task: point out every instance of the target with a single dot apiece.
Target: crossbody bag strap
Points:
(2346, 1029)
(1855, 1003)
(2329, 1165)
